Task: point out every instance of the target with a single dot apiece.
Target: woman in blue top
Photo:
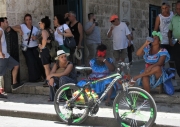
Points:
(101, 67)
(155, 57)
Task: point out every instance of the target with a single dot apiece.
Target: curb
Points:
(97, 121)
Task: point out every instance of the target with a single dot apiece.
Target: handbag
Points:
(69, 42)
(53, 47)
(167, 85)
(23, 46)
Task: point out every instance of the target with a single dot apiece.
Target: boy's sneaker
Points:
(16, 86)
(3, 96)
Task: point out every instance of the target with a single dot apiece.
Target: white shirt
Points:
(58, 37)
(26, 33)
(4, 44)
(164, 27)
(119, 35)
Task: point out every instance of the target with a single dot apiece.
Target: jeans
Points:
(58, 82)
(129, 50)
(34, 64)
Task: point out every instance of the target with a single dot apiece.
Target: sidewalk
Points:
(37, 107)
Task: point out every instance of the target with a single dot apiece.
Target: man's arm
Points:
(17, 28)
(157, 23)
(109, 34)
(129, 38)
(80, 29)
(170, 37)
(1, 54)
(170, 33)
(90, 29)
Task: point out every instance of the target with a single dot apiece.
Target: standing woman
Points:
(44, 40)
(62, 29)
(35, 68)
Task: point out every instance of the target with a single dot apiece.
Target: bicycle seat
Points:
(82, 68)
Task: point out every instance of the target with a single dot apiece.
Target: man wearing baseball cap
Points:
(119, 33)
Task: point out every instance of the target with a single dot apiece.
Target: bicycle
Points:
(127, 105)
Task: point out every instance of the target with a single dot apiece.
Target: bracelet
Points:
(104, 60)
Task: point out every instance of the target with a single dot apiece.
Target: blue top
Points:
(152, 59)
(99, 71)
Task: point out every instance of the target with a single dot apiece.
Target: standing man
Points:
(93, 36)
(162, 23)
(77, 30)
(6, 61)
(130, 48)
(119, 32)
(174, 30)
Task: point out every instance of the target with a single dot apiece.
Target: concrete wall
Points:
(15, 11)
(2, 8)
(139, 18)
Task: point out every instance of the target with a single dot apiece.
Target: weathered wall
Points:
(2, 8)
(16, 9)
(139, 18)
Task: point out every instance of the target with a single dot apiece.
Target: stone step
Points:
(32, 88)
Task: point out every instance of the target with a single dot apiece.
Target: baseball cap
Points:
(113, 17)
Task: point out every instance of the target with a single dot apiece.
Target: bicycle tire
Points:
(128, 122)
(67, 87)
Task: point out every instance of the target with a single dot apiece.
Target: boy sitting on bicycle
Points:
(101, 67)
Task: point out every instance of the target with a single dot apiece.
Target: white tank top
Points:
(164, 27)
(4, 45)
(26, 33)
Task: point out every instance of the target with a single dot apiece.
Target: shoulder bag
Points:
(25, 47)
(69, 42)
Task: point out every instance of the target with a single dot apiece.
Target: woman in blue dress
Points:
(155, 58)
(101, 67)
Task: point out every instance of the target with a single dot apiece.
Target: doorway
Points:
(153, 13)
(64, 6)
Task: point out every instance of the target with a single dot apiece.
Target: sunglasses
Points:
(112, 21)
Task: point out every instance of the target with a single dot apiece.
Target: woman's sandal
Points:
(132, 82)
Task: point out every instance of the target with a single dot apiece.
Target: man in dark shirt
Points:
(77, 30)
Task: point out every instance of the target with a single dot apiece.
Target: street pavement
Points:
(24, 122)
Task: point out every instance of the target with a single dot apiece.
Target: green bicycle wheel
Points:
(144, 113)
(78, 112)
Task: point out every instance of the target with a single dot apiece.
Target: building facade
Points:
(140, 13)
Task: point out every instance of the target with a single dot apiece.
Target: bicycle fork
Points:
(128, 96)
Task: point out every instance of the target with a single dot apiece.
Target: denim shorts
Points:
(7, 63)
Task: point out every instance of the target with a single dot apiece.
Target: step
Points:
(32, 88)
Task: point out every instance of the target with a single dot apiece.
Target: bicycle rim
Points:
(80, 109)
(145, 111)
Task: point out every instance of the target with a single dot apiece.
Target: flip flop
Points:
(132, 82)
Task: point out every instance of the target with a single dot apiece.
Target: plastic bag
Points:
(90, 95)
(168, 87)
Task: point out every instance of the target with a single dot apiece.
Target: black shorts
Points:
(45, 56)
(7, 63)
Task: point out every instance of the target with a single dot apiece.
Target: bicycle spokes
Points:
(136, 113)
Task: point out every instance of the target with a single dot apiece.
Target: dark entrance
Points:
(153, 12)
(64, 6)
